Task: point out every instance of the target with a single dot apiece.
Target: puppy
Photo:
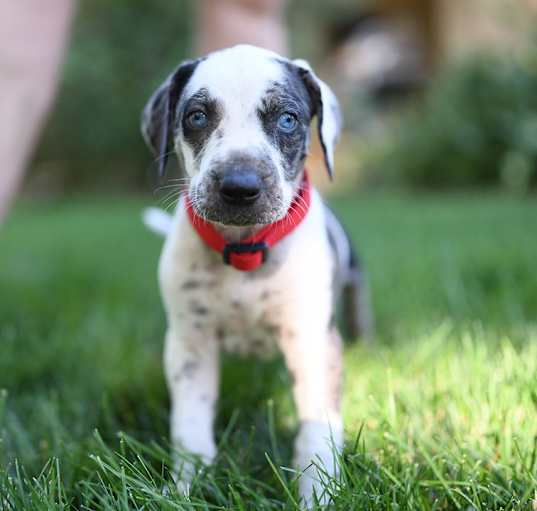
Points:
(253, 260)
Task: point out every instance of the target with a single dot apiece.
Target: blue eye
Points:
(287, 122)
(197, 120)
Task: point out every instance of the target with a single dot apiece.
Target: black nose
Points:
(240, 187)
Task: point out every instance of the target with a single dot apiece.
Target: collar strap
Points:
(252, 252)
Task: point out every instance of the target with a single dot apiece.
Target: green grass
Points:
(440, 412)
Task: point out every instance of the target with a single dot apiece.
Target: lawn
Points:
(441, 412)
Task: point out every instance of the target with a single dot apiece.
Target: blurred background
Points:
(436, 94)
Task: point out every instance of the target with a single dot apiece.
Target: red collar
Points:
(252, 252)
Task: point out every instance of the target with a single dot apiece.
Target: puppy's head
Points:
(239, 120)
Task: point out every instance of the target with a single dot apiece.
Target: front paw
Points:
(315, 484)
(317, 448)
(188, 464)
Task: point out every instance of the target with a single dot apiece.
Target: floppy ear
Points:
(159, 113)
(326, 107)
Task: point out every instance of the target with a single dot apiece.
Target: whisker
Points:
(302, 202)
(162, 156)
(181, 186)
(290, 218)
(302, 207)
(169, 203)
(165, 198)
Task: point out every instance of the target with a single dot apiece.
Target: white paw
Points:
(188, 464)
(316, 455)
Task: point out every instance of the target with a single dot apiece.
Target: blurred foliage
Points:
(477, 126)
(120, 52)
(311, 25)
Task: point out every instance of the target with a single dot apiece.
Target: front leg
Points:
(192, 372)
(314, 361)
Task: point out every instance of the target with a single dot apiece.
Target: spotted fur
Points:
(287, 304)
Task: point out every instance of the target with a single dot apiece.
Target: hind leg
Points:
(357, 311)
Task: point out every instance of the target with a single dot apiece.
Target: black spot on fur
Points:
(190, 284)
(187, 370)
(197, 308)
(201, 100)
(292, 96)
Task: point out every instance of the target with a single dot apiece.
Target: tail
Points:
(157, 220)
(355, 312)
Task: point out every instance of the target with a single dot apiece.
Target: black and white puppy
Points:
(239, 120)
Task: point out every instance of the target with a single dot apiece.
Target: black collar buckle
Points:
(242, 248)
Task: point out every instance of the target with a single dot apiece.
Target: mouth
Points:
(218, 211)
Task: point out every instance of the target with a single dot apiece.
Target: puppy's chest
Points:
(244, 314)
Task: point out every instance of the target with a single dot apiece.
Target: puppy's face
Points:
(240, 123)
